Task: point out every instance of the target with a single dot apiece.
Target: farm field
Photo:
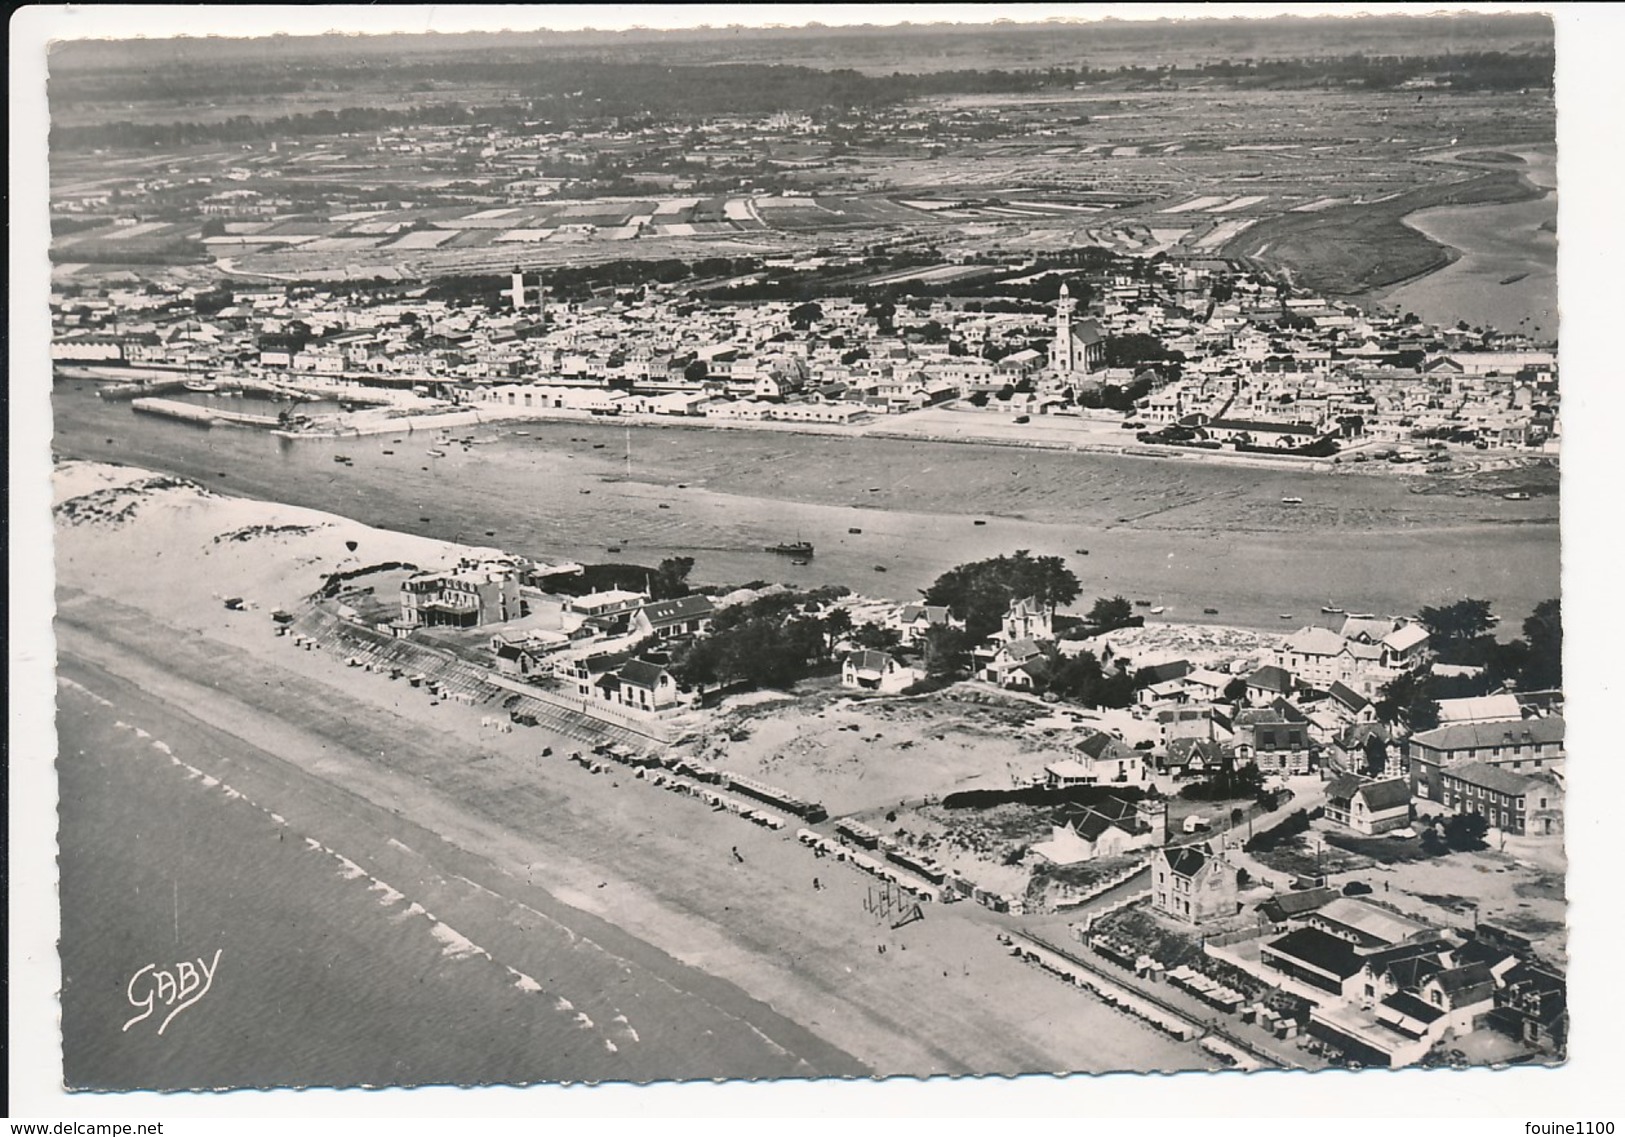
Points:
(1205, 172)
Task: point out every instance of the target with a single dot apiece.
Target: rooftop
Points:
(1479, 735)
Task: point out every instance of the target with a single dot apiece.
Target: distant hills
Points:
(909, 48)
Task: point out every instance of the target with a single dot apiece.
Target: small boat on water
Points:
(1286, 615)
(1362, 615)
(437, 453)
(1142, 603)
(1516, 495)
(1292, 501)
(1210, 611)
(854, 530)
(1514, 278)
(880, 568)
(663, 505)
(1081, 552)
(201, 387)
(801, 561)
(614, 548)
(978, 522)
(597, 445)
(391, 452)
(342, 459)
(1331, 610)
(585, 491)
(682, 485)
(1158, 610)
(791, 549)
(522, 433)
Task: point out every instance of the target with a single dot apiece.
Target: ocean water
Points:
(340, 956)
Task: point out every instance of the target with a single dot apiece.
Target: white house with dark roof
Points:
(1349, 705)
(638, 685)
(876, 671)
(912, 621)
(681, 616)
(1192, 883)
(1365, 655)
(1028, 620)
(1109, 828)
(1015, 664)
(1368, 807)
(607, 603)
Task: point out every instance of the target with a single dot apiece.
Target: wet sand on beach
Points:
(782, 979)
(945, 998)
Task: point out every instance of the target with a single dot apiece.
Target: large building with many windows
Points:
(1520, 748)
(1517, 804)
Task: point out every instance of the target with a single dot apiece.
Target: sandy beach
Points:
(802, 967)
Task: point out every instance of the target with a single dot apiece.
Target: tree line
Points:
(1461, 634)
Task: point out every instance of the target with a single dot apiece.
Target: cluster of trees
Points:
(1469, 71)
(772, 641)
(1461, 634)
(565, 93)
(1460, 833)
(1227, 783)
(1081, 678)
(578, 282)
(1110, 396)
(1292, 825)
(1136, 349)
(980, 593)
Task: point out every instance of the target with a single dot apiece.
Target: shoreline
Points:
(484, 416)
(377, 825)
(887, 1012)
(1533, 191)
(1376, 221)
(944, 998)
(1201, 534)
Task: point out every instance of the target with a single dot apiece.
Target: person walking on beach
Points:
(737, 857)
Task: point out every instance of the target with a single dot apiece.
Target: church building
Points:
(1079, 349)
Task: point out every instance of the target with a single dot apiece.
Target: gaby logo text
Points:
(152, 988)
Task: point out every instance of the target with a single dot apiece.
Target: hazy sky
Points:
(114, 21)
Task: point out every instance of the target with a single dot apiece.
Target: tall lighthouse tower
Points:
(1060, 355)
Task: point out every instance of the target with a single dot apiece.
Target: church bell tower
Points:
(1060, 356)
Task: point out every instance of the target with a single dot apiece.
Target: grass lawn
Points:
(1299, 857)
